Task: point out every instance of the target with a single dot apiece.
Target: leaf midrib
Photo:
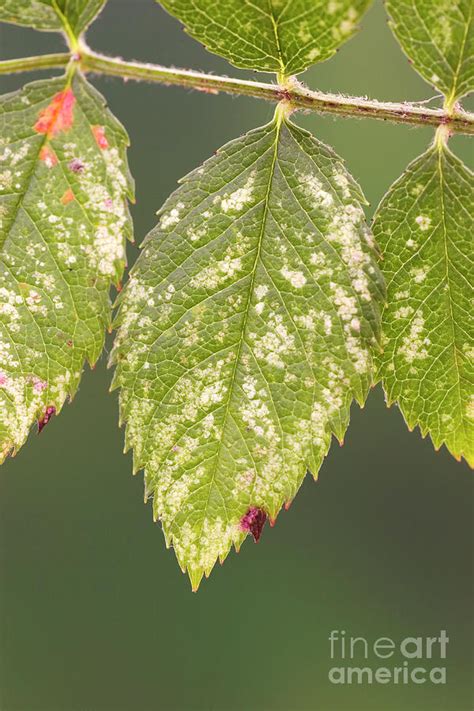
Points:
(277, 38)
(245, 316)
(454, 93)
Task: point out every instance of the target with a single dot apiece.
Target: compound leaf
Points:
(424, 226)
(73, 16)
(283, 36)
(438, 37)
(63, 220)
(244, 335)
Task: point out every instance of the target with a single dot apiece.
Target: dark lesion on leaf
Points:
(76, 165)
(253, 522)
(48, 414)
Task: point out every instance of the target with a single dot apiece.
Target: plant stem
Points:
(30, 64)
(294, 93)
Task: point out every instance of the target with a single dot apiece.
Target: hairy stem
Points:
(30, 64)
(296, 95)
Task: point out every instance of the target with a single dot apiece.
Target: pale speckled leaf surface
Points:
(283, 36)
(425, 227)
(244, 335)
(51, 14)
(438, 37)
(63, 222)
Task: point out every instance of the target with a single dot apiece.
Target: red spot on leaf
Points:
(253, 522)
(58, 115)
(67, 197)
(48, 156)
(48, 413)
(100, 137)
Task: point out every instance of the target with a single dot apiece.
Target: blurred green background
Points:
(94, 612)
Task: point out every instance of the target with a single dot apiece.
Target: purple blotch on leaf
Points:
(253, 522)
(48, 413)
(76, 165)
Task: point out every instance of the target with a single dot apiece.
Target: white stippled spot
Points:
(275, 343)
(403, 312)
(315, 191)
(418, 274)
(423, 222)
(234, 202)
(168, 219)
(296, 279)
(413, 344)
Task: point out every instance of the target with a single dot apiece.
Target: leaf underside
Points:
(51, 14)
(63, 222)
(438, 36)
(244, 335)
(425, 227)
(282, 36)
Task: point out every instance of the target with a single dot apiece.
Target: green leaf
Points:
(438, 37)
(283, 36)
(244, 336)
(63, 221)
(68, 15)
(424, 226)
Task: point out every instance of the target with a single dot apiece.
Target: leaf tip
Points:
(254, 521)
(45, 418)
(195, 576)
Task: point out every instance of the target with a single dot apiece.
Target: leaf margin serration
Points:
(49, 17)
(50, 167)
(438, 152)
(451, 86)
(337, 424)
(348, 14)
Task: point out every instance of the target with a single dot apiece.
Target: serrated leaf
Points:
(64, 219)
(424, 226)
(438, 37)
(282, 36)
(244, 336)
(57, 15)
